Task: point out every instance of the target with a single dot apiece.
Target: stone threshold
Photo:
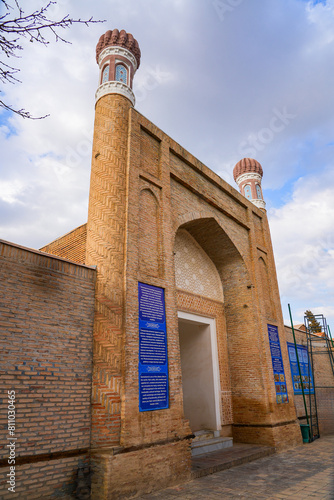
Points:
(207, 441)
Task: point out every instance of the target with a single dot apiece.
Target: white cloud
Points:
(303, 239)
(10, 191)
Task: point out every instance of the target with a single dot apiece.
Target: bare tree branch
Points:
(15, 24)
(22, 112)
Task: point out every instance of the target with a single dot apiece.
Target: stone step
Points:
(238, 454)
(203, 446)
(205, 434)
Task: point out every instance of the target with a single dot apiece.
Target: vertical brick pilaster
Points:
(106, 234)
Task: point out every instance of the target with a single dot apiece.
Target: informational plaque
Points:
(153, 361)
(305, 369)
(278, 368)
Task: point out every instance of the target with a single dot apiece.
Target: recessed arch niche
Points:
(194, 270)
(241, 322)
(149, 235)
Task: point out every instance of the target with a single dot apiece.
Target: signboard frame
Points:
(305, 368)
(153, 355)
(278, 366)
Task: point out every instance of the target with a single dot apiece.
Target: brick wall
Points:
(43, 480)
(323, 377)
(46, 318)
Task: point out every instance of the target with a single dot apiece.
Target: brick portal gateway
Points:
(159, 216)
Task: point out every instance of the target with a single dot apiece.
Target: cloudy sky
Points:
(224, 78)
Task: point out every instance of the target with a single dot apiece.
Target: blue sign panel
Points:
(278, 368)
(153, 360)
(305, 369)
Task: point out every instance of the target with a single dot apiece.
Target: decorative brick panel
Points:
(150, 234)
(149, 153)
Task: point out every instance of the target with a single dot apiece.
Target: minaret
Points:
(248, 175)
(118, 57)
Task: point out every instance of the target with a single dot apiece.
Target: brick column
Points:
(106, 236)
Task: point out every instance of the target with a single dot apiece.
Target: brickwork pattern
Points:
(191, 197)
(259, 231)
(71, 246)
(106, 229)
(246, 356)
(144, 189)
(265, 290)
(194, 271)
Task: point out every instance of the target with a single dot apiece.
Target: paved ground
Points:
(302, 473)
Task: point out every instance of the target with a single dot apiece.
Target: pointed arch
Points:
(248, 191)
(232, 270)
(121, 74)
(105, 74)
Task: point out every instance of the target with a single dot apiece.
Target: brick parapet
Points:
(150, 468)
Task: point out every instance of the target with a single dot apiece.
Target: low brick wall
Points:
(46, 321)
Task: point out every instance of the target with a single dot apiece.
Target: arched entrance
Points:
(212, 281)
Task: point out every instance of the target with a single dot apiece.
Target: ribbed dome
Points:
(245, 166)
(119, 39)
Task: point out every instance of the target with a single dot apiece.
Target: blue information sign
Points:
(153, 360)
(278, 368)
(305, 369)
